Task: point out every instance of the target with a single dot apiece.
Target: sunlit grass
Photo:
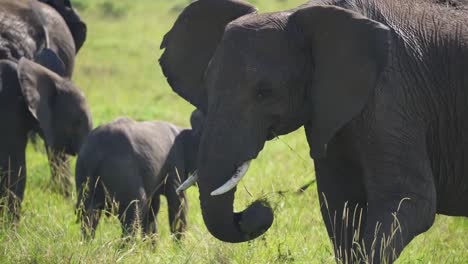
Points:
(118, 71)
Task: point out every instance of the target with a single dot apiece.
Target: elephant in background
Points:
(37, 54)
(73, 20)
(380, 87)
(56, 26)
(133, 164)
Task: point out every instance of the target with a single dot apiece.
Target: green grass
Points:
(118, 71)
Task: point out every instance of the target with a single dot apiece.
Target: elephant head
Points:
(257, 76)
(58, 106)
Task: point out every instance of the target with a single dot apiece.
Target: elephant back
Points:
(25, 27)
(20, 34)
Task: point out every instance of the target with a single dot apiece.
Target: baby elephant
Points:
(133, 163)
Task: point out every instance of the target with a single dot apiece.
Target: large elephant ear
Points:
(192, 41)
(349, 52)
(76, 25)
(72, 18)
(39, 87)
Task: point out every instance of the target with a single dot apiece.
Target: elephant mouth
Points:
(71, 148)
(241, 168)
(69, 151)
(230, 184)
(219, 176)
(238, 173)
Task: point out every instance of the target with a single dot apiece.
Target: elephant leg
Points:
(391, 227)
(177, 204)
(401, 198)
(343, 202)
(394, 219)
(89, 221)
(91, 202)
(151, 226)
(132, 215)
(13, 181)
(60, 170)
(129, 218)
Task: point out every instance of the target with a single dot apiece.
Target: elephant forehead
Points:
(266, 43)
(247, 68)
(274, 20)
(263, 38)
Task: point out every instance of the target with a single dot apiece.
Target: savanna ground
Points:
(118, 70)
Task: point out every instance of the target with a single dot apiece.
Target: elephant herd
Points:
(380, 86)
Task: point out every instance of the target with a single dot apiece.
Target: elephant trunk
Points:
(218, 162)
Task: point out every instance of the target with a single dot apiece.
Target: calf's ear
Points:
(39, 87)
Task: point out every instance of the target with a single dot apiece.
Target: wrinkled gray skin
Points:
(382, 92)
(460, 4)
(134, 163)
(36, 95)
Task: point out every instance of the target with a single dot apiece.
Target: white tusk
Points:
(189, 182)
(235, 179)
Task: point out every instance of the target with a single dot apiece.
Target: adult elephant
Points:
(36, 95)
(29, 26)
(382, 92)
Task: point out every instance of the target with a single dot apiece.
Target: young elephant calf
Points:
(133, 163)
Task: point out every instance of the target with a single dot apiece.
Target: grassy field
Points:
(118, 71)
